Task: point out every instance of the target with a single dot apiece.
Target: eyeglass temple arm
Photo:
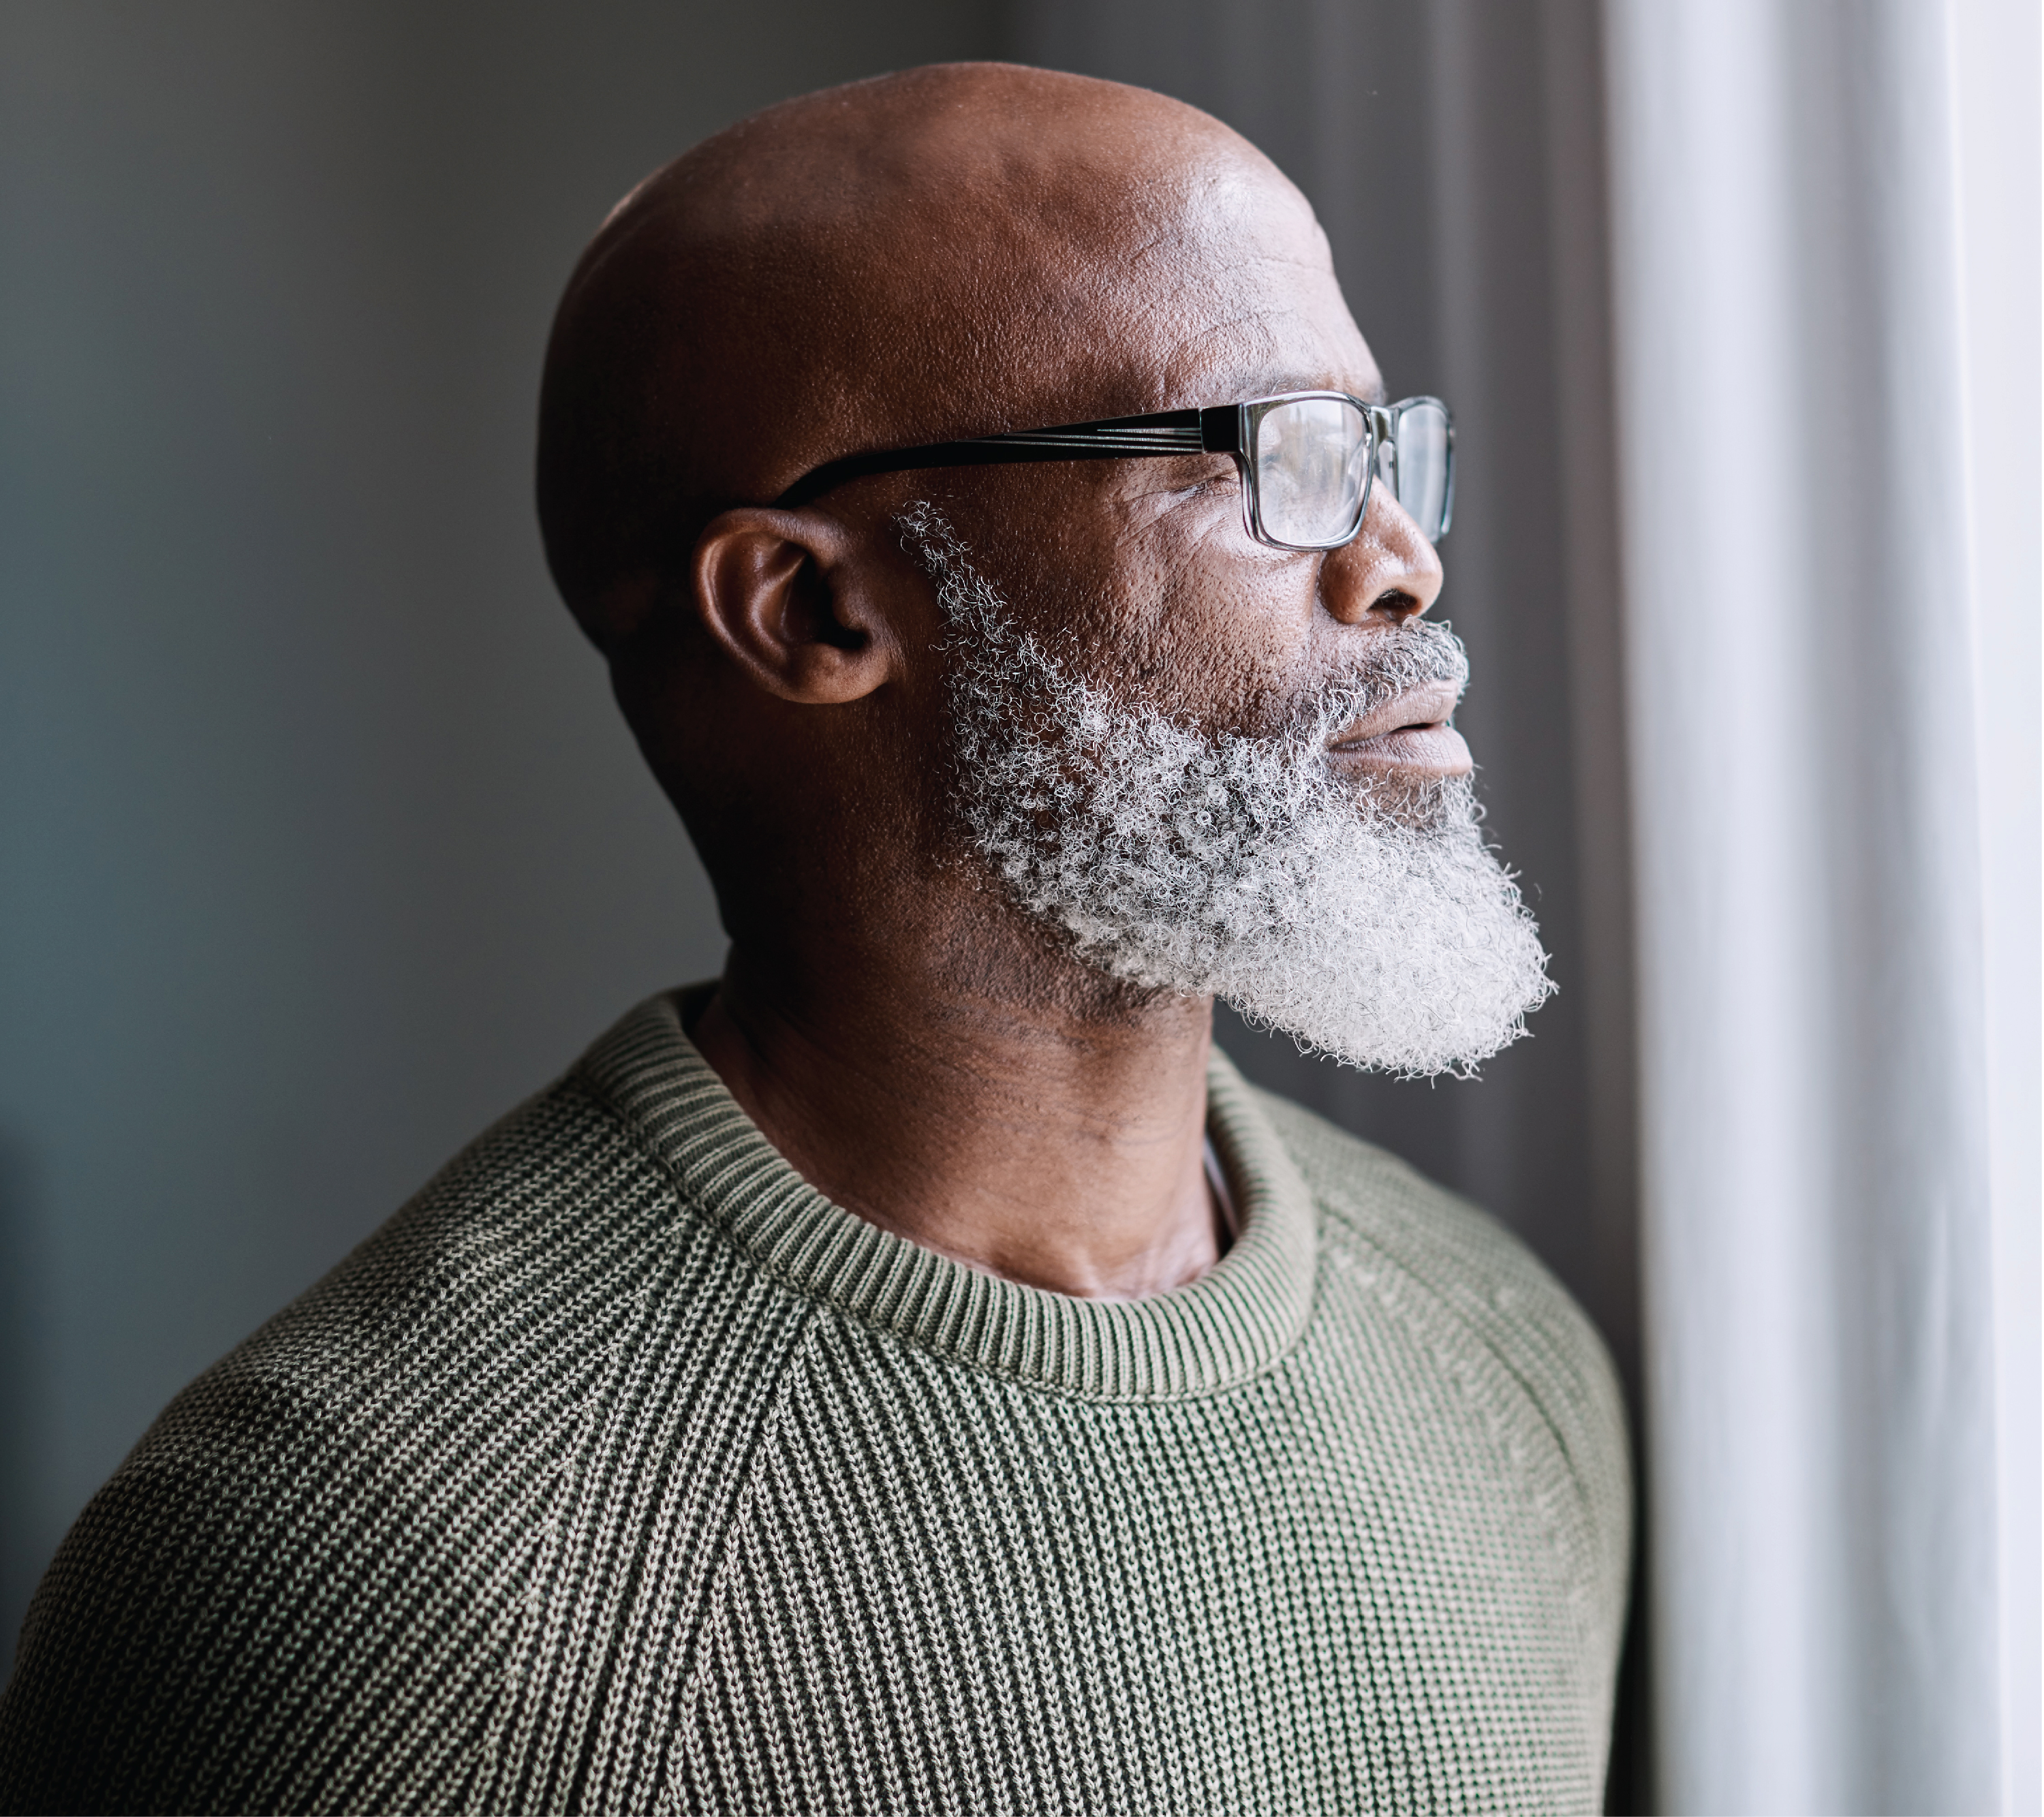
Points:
(1215, 430)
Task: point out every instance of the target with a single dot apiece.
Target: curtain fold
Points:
(1817, 637)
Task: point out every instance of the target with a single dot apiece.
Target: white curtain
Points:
(1825, 250)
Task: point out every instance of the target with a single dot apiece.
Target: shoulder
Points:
(309, 1585)
(1474, 1274)
(272, 1550)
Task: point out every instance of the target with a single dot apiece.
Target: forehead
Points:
(1240, 298)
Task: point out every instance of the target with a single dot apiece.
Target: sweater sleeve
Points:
(244, 1617)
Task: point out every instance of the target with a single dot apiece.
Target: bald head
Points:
(954, 250)
(950, 252)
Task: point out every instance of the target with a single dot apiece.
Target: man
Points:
(915, 1373)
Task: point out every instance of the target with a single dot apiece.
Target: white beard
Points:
(1373, 925)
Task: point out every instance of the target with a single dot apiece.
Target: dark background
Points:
(321, 841)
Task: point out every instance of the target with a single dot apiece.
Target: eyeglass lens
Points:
(1419, 463)
(1313, 457)
(1311, 465)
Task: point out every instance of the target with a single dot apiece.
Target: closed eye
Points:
(1204, 477)
(1184, 479)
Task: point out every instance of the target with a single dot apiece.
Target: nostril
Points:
(1395, 604)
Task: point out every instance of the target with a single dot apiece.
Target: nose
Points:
(1390, 573)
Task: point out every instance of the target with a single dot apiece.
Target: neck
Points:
(1056, 1139)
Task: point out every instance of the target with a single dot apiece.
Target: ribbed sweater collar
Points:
(1231, 1324)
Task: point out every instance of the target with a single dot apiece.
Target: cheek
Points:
(1228, 640)
(1171, 607)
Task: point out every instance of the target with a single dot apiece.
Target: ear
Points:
(781, 592)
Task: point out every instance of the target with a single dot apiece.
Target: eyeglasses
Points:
(1306, 459)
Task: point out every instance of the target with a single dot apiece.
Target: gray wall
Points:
(322, 842)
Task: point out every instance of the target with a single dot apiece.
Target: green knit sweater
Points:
(621, 1471)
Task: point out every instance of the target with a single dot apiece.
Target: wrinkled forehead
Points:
(1246, 302)
(1214, 285)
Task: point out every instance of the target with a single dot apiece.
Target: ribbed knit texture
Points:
(621, 1471)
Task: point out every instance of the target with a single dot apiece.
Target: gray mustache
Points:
(1418, 652)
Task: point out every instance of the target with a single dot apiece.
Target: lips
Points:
(1409, 732)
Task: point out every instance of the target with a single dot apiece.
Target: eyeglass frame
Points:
(1216, 428)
